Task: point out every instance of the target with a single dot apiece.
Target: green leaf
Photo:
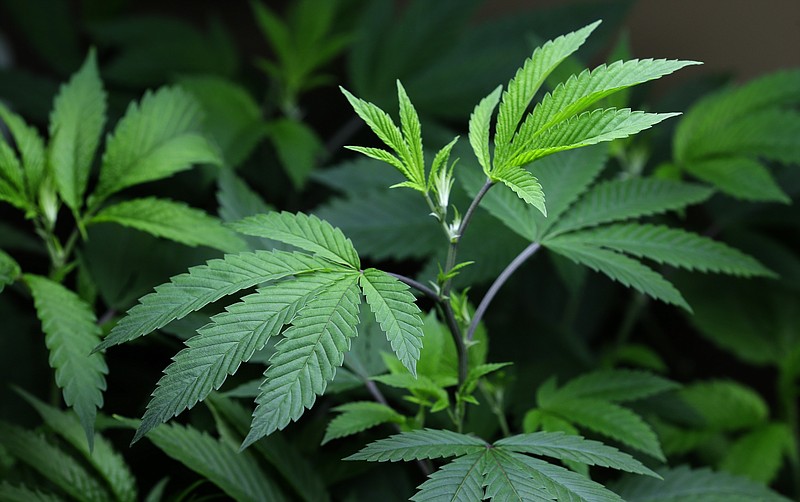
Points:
(671, 246)
(172, 220)
(419, 445)
(220, 346)
(358, 416)
(569, 447)
(31, 148)
(236, 473)
(615, 385)
(156, 138)
(581, 91)
(758, 455)
(508, 479)
(458, 481)
(307, 357)
(619, 267)
(524, 184)
(76, 123)
(236, 199)
(22, 493)
(298, 148)
(204, 284)
(625, 199)
(381, 155)
(52, 463)
(588, 128)
(9, 270)
(102, 457)
(412, 132)
(522, 88)
(302, 231)
(479, 123)
(739, 177)
(701, 485)
(396, 312)
(609, 420)
(71, 331)
(726, 405)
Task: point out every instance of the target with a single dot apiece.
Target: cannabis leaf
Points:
(9, 270)
(503, 470)
(357, 416)
(20, 179)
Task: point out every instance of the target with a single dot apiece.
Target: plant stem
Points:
(497, 284)
(418, 286)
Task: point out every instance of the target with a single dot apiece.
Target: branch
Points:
(497, 284)
(418, 286)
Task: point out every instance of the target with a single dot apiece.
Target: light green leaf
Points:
(581, 91)
(569, 447)
(236, 199)
(155, 139)
(522, 88)
(298, 148)
(419, 445)
(396, 312)
(758, 455)
(207, 283)
(303, 231)
(382, 155)
(440, 162)
(726, 405)
(739, 177)
(458, 481)
(671, 246)
(220, 346)
(507, 479)
(22, 493)
(9, 270)
(358, 416)
(236, 473)
(102, 457)
(412, 132)
(625, 199)
(76, 123)
(307, 358)
(701, 485)
(524, 184)
(609, 420)
(52, 463)
(615, 385)
(619, 267)
(172, 220)
(27, 178)
(71, 332)
(479, 123)
(588, 128)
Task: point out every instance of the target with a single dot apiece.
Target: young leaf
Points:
(619, 267)
(412, 131)
(52, 463)
(71, 331)
(740, 177)
(204, 284)
(625, 199)
(396, 312)
(569, 447)
(172, 220)
(302, 231)
(507, 479)
(31, 149)
(527, 81)
(458, 481)
(79, 113)
(588, 128)
(523, 183)
(671, 246)
(358, 416)
(221, 346)
(701, 485)
(236, 473)
(307, 358)
(479, 124)
(9, 270)
(102, 457)
(155, 139)
(419, 445)
(618, 385)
